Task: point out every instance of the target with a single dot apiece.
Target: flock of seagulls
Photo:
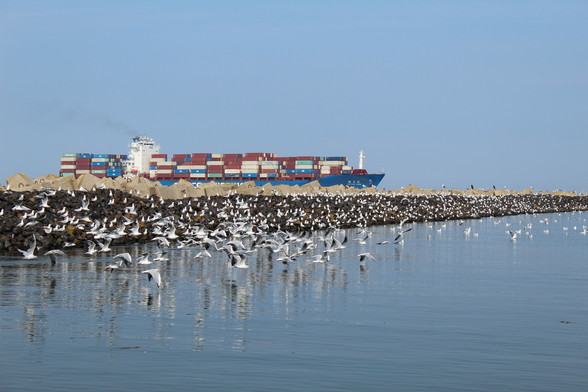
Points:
(290, 228)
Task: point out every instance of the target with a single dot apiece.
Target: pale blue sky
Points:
(435, 92)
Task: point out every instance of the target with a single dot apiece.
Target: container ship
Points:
(145, 160)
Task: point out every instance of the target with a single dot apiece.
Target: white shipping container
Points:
(164, 171)
(98, 171)
(217, 156)
(248, 171)
(100, 160)
(304, 167)
(197, 175)
(332, 163)
(347, 168)
(215, 163)
(185, 167)
(232, 171)
(68, 159)
(68, 166)
(82, 171)
(270, 164)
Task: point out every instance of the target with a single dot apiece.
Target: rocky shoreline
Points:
(131, 216)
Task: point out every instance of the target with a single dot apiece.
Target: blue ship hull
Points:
(359, 181)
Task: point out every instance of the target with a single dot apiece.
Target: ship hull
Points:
(359, 181)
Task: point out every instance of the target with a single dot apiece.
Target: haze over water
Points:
(444, 312)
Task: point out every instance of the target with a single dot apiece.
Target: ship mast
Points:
(361, 156)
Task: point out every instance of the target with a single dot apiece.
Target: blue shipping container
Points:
(85, 156)
(197, 171)
(249, 175)
(181, 171)
(99, 163)
(100, 156)
(152, 167)
(291, 171)
(187, 159)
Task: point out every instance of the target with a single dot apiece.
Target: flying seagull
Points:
(29, 253)
(124, 258)
(53, 255)
(153, 274)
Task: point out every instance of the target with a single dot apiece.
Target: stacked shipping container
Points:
(211, 167)
(99, 165)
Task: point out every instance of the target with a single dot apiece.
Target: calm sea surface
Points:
(443, 312)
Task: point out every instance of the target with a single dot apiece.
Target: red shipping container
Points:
(83, 160)
(306, 158)
(215, 169)
(159, 156)
(67, 171)
(167, 167)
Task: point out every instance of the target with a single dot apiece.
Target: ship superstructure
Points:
(142, 149)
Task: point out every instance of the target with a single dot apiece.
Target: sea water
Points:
(460, 306)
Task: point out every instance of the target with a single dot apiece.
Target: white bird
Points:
(161, 242)
(153, 274)
(160, 256)
(366, 255)
(124, 258)
(320, 258)
(29, 253)
(238, 261)
(400, 235)
(112, 266)
(91, 248)
(106, 246)
(202, 253)
(144, 259)
(53, 255)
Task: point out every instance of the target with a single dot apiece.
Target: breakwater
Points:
(60, 218)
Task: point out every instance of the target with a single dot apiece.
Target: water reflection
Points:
(208, 291)
(212, 304)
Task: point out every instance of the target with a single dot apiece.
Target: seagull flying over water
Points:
(124, 258)
(29, 253)
(153, 274)
(53, 255)
(366, 255)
